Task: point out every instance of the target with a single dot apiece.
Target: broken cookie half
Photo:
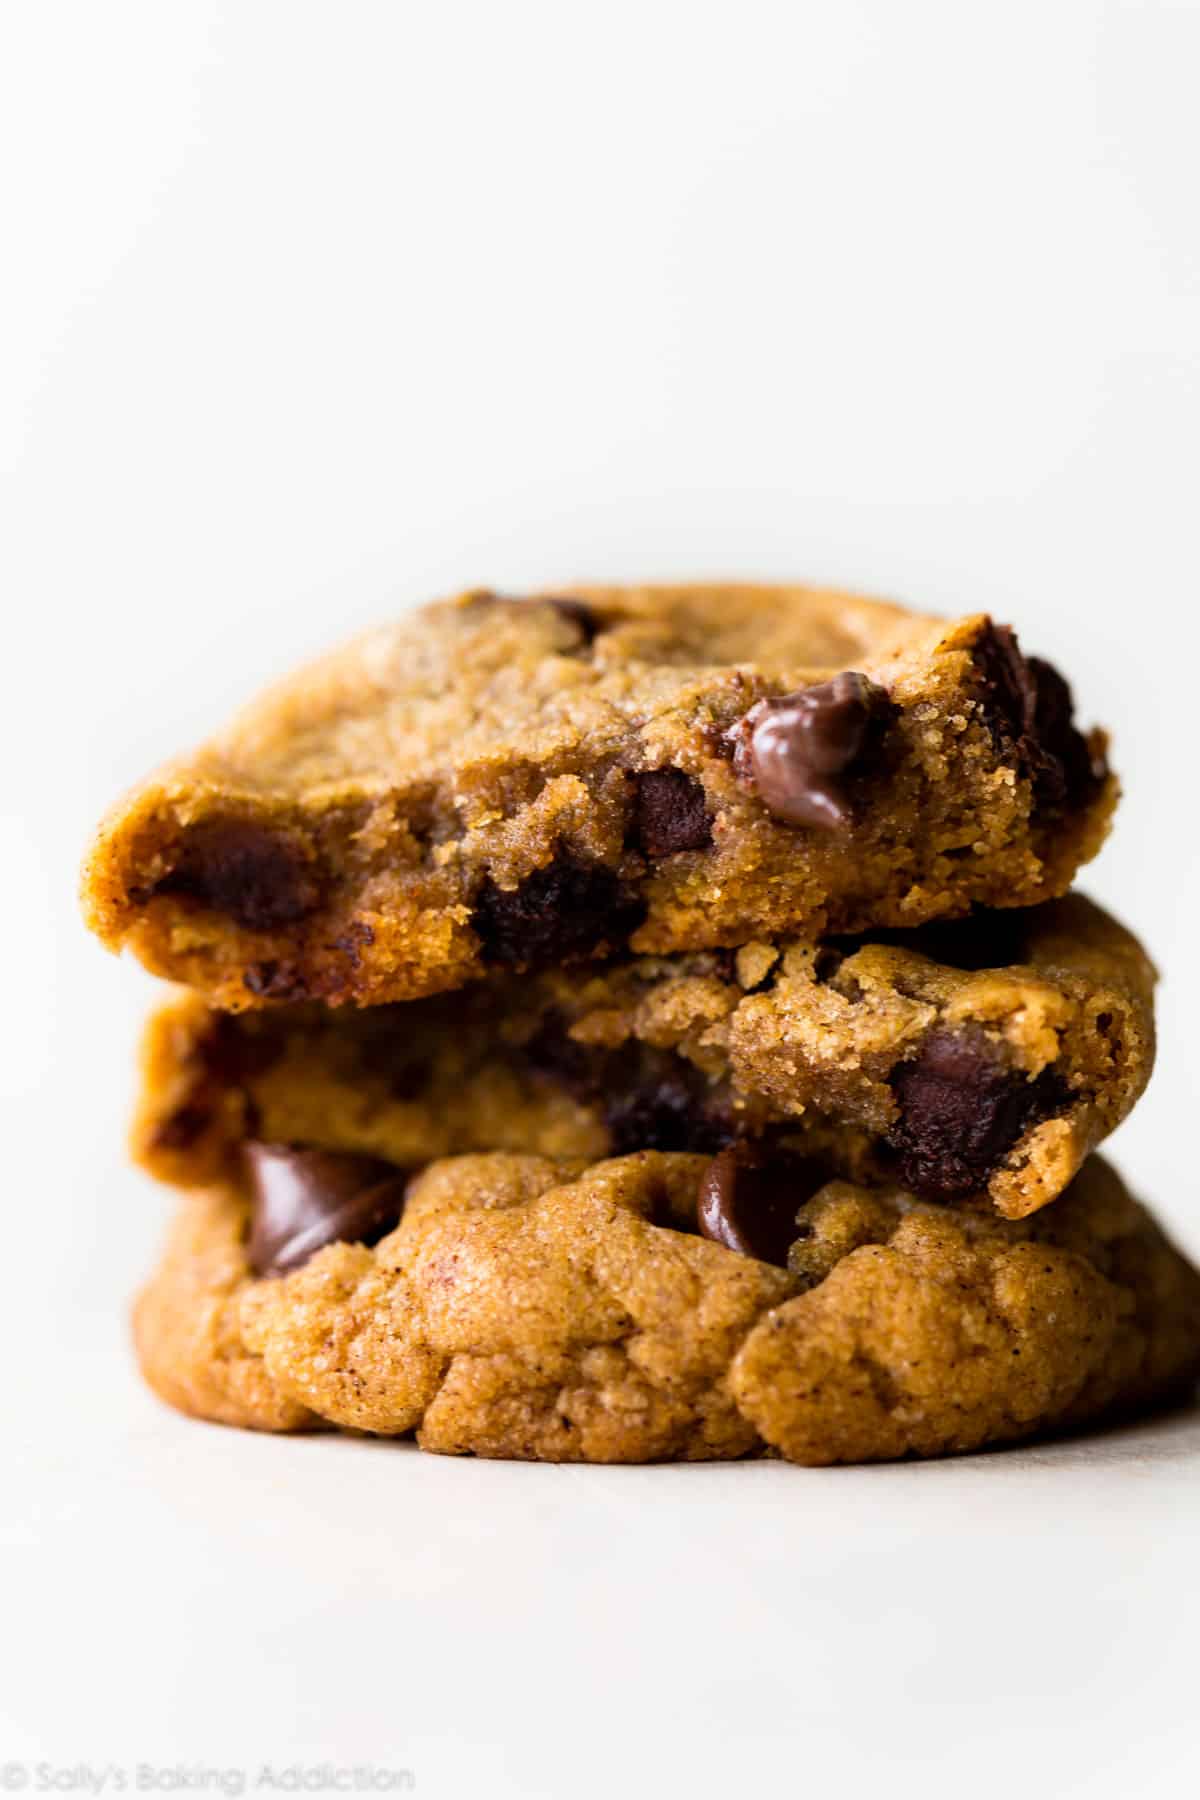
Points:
(498, 784)
(972, 1064)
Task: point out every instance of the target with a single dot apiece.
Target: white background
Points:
(311, 311)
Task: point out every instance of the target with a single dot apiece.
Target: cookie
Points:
(983, 1058)
(498, 784)
(622, 1311)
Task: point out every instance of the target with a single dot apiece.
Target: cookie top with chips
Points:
(516, 784)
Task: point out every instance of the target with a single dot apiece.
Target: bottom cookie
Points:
(531, 1309)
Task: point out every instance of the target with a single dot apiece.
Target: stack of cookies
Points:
(644, 1024)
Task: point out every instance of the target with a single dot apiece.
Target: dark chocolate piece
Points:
(258, 877)
(651, 1099)
(670, 813)
(749, 1199)
(305, 1199)
(961, 1112)
(795, 750)
(1030, 711)
(564, 910)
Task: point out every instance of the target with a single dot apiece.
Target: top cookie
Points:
(518, 783)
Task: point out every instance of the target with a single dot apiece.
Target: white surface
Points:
(311, 311)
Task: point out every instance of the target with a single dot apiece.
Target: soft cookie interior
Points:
(979, 1061)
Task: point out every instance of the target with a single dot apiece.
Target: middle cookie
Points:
(980, 1060)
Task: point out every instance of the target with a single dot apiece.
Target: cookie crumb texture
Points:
(496, 783)
(980, 1059)
(530, 1309)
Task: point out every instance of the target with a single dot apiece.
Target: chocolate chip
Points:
(305, 1199)
(796, 750)
(1030, 713)
(749, 1199)
(258, 877)
(670, 813)
(651, 1099)
(566, 909)
(961, 1112)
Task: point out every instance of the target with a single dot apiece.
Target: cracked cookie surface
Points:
(495, 783)
(983, 1059)
(531, 1309)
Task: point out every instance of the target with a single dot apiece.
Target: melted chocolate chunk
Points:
(1030, 712)
(670, 813)
(749, 1199)
(961, 1112)
(651, 1099)
(561, 911)
(305, 1199)
(257, 877)
(795, 751)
